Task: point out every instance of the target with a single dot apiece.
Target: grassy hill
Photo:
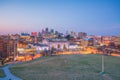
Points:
(68, 67)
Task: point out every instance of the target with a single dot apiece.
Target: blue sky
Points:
(96, 17)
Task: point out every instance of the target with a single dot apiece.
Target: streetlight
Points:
(102, 61)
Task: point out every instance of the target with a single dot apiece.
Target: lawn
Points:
(68, 67)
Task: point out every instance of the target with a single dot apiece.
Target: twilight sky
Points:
(99, 17)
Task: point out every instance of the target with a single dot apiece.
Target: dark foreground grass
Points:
(2, 73)
(68, 67)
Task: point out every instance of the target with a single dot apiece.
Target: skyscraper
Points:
(43, 32)
(82, 34)
(52, 31)
(46, 30)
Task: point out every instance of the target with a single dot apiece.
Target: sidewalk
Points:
(9, 75)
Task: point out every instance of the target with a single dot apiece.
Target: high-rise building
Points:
(56, 32)
(43, 31)
(46, 30)
(52, 31)
(8, 47)
(39, 34)
(25, 34)
(82, 35)
(1, 47)
(34, 34)
(67, 33)
(107, 39)
(73, 34)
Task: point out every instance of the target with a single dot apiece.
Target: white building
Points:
(40, 47)
(73, 46)
(59, 44)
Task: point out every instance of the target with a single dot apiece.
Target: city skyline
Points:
(98, 17)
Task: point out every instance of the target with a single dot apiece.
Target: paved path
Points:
(9, 75)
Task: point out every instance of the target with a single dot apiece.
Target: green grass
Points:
(2, 73)
(68, 67)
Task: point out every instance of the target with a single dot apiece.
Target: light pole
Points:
(102, 63)
(102, 66)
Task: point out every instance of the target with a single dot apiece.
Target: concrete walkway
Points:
(9, 75)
